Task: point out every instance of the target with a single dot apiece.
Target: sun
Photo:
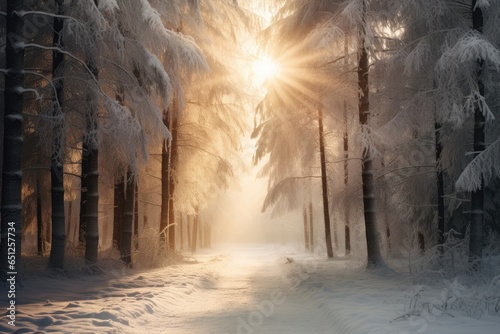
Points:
(265, 69)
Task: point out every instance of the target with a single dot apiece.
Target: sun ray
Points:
(265, 69)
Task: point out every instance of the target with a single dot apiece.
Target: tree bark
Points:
(347, 232)
(83, 191)
(118, 210)
(311, 225)
(128, 220)
(92, 207)
(165, 182)
(372, 239)
(440, 185)
(57, 167)
(136, 216)
(12, 172)
(194, 239)
(172, 182)
(324, 185)
(477, 197)
(39, 216)
(92, 217)
(306, 228)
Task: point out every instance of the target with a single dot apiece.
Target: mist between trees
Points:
(124, 122)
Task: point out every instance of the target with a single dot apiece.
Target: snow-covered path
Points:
(239, 289)
(248, 293)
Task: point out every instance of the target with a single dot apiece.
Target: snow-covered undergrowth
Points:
(386, 301)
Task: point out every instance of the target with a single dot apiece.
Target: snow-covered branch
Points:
(482, 168)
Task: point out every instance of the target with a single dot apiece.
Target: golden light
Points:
(265, 69)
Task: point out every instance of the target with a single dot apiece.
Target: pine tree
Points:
(11, 206)
(56, 171)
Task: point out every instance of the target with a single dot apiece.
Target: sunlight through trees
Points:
(128, 125)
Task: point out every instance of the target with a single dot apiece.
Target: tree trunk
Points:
(128, 220)
(324, 185)
(311, 226)
(347, 232)
(440, 185)
(372, 239)
(194, 239)
(92, 221)
(188, 232)
(421, 242)
(306, 228)
(136, 216)
(119, 208)
(92, 207)
(181, 231)
(477, 197)
(165, 181)
(39, 216)
(57, 167)
(83, 191)
(11, 206)
(172, 182)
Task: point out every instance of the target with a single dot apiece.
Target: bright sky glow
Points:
(265, 69)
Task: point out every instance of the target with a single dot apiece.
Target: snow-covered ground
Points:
(241, 289)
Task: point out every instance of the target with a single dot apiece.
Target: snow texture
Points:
(243, 289)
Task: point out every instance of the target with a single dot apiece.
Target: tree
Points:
(477, 196)
(11, 206)
(324, 185)
(372, 239)
(56, 170)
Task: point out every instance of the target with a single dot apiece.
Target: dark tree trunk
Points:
(164, 185)
(136, 216)
(11, 206)
(92, 217)
(128, 220)
(311, 225)
(477, 197)
(119, 208)
(440, 185)
(56, 170)
(39, 216)
(324, 185)
(92, 207)
(347, 232)
(83, 192)
(172, 182)
(421, 242)
(306, 228)
(372, 239)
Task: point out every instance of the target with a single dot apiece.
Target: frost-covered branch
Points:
(69, 54)
(34, 12)
(482, 168)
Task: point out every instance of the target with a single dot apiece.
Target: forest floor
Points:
(247, 289)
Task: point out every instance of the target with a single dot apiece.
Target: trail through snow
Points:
(252, 289)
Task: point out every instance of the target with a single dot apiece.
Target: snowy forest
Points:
(339, 146)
